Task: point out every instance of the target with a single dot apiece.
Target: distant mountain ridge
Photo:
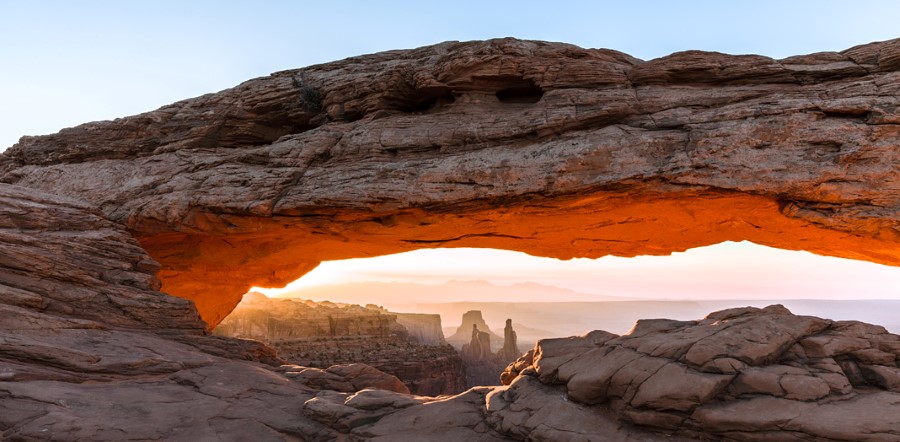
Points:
(575, 318)
(405, 293)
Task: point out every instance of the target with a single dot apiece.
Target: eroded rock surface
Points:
(539, 147)
(483, 365)
(545, 148)
(742, 374)
(145, 369)
(348, 378)
(425, 328)
(323, 335)
(91, 350)
(463, 335)
(262, 318)
(510, 348)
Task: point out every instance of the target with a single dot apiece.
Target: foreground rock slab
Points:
(91, 350)
(742, 374)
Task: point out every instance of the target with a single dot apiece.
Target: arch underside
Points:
(215, 271)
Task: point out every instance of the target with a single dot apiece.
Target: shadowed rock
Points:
(146, 370)
(510, 348)
(741, 374)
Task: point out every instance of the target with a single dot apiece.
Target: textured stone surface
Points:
(149, 372)
(91, 350)
(544, 148)
(463, 334)
(262, 318)
(528, 410)
(348, 378)
(540, 147)
(665, 376)
(319, 335)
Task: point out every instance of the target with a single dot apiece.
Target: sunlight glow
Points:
(724, 271)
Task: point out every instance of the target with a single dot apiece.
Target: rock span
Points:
(545, 148)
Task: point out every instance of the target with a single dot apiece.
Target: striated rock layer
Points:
(545, 148)
(91, 350)
(322, 335)
(423, 327)
(473, 320)
(265, 319)
(482, 365)
(743, 374)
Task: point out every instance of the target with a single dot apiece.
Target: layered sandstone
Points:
(142, 368)
(743, 374)
(91, 350)
(539, 147)
(510, 350)
(545, 148)
(473, 319)
(482, 365)
(259, 317)
(345, 378)
(423, 327)
(321, 337)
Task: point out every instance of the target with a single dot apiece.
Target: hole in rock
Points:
(527, 93)
(424, 100)
(412, 314)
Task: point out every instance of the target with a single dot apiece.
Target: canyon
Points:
(539, 147)
(483, 356)
(410, 347)
(321, 335)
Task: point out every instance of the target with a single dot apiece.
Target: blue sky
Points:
(66, 63)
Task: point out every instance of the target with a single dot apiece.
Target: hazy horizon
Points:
(571, 318)
(723, 271)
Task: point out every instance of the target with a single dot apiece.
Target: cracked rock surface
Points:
(742, 374)
(540, 147)
(91, 350)
(545, 148)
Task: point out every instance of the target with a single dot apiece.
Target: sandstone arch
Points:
(539, 147)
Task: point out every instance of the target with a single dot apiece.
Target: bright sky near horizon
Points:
(728, 270)
(66, 63)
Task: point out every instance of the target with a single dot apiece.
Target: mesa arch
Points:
(544, 148)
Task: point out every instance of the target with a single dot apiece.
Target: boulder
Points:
(346, 378)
